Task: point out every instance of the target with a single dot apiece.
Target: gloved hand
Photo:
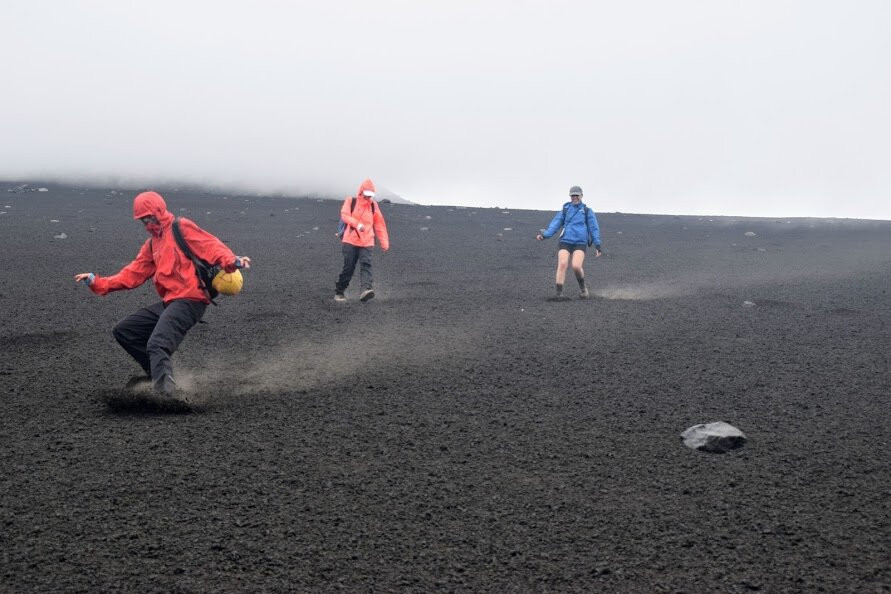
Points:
(360, 227)
(242, 262)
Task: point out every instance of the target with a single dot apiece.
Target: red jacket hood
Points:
(152, 204)
(366, 185)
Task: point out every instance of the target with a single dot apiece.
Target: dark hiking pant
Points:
(152, 334)
(351, 255)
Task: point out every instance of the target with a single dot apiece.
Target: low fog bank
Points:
(173, 184)
(164, 185)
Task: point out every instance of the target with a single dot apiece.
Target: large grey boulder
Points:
(717, 438)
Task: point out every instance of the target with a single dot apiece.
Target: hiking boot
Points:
(165, 387)
(169, 398)
(584, 294)
(340, 297)
(137, 383)
(366, 295)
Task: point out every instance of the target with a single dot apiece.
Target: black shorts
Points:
(571, 247)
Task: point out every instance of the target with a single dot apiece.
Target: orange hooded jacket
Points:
(161, 259)
(372, 221)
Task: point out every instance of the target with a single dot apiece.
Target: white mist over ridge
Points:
(719, 108)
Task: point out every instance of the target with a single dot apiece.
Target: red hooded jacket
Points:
(161, 259)
(372, 219)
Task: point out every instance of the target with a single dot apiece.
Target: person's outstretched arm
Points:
(556, 223)
(209, 248)
(131, 276)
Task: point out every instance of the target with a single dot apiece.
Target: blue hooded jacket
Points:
(575, 228)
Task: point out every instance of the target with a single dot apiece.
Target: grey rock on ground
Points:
(717, 438)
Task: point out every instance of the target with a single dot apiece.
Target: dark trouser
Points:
(152, 334)
(351, 255)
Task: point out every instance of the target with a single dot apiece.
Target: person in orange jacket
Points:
(364, 221)
(152, 334)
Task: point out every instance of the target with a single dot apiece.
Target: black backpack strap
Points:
(184, 246)
(588, 228)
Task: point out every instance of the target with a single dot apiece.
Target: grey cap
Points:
(575, 191)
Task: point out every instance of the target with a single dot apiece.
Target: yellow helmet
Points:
(228, 283)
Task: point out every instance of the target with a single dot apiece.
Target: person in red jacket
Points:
(152, 334)
(364, 221)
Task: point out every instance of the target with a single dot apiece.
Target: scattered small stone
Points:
(92, 229)
(315, 228)
(716, 438)
(762, 249)
(508, 228)
(425, 228)
(54, 220)
(618, 232)
(60, 236)
(43, 189)
(748, 304)
(749, 234)
(428, 217)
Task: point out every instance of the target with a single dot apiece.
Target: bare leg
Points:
(562, 264)
(578, 261)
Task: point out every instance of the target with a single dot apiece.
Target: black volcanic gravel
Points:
(459, 432)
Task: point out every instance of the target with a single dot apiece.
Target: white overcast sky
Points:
(766, 108)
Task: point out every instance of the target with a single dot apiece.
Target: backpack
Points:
(342, 227)
(203, 270)
(587, 227)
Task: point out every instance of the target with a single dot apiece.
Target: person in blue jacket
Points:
(580, 230)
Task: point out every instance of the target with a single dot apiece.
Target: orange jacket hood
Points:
(152, 204)
(366, 186)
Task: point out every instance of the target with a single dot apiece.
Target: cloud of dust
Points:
(644, 291)
(309, 363)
